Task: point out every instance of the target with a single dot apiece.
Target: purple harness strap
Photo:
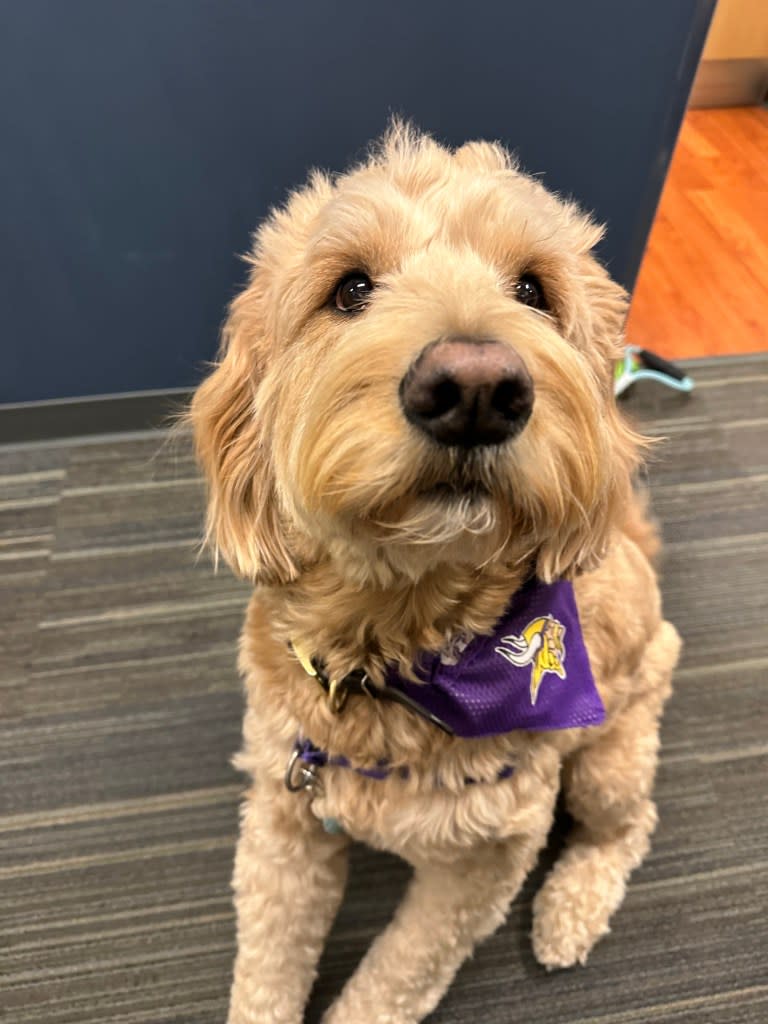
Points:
(305, 752)
(309, 754)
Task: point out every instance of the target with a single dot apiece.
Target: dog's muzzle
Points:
(467, 393)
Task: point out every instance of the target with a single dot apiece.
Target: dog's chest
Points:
(416, 817)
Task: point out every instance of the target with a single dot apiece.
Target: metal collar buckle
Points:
(337, 690)
(337, 695)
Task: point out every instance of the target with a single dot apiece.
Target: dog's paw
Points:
(572, 911)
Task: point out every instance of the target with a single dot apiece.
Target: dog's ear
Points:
(595, 316)
(243, 518)
(601, 472)
(599, 481)
(598, 328)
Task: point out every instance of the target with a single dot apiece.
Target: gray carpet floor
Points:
(120, 708)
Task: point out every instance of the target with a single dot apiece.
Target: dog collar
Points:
(532, 673)
(358, 682)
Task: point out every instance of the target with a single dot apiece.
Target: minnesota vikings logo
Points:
(540, 645)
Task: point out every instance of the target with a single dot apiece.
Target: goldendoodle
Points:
(413, 451)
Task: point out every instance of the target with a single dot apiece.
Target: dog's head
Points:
(418, 372)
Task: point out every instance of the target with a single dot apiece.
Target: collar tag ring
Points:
(299, 775)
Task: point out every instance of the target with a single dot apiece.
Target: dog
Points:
(412, 450)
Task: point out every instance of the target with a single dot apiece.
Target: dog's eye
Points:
(530, 292)
(353, 292)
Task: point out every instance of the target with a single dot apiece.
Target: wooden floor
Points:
(120, 708)
(703, 285)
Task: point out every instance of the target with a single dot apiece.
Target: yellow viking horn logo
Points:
(540, 645)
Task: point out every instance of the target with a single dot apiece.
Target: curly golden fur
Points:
(323, 495)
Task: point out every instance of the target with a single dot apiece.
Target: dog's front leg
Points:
(289, 879)
(608, 789)
(447, 909)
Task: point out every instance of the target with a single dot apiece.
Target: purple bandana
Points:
(532, 673)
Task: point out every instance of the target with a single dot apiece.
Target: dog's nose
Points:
(467, 393)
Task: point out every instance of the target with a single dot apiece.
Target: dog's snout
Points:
(468, 393)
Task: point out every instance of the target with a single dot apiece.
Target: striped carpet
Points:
(119, 709)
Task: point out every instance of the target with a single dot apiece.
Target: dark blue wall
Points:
(140, 142)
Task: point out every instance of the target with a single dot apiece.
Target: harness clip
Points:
(302, 777)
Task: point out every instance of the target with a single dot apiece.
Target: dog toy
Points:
(640, 364)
